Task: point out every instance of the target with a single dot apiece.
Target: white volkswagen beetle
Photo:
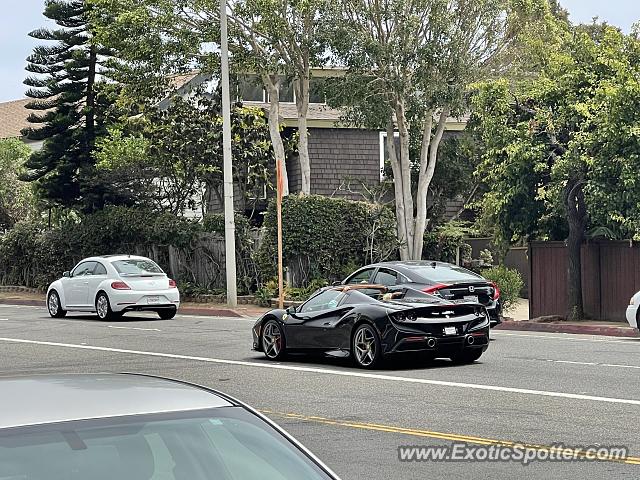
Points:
(111, 285)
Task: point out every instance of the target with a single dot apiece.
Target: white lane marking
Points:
(594, 364)
(4, 319)
(135, 328)
(341, 373)
(5, 305)
(574, 338)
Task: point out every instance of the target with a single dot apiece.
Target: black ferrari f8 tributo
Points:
(369, 322)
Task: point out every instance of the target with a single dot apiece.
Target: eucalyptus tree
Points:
(409, 63)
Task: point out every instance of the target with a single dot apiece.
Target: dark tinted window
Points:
(100, 270)
(363, 276)
(316, 90)
(222, 444)
(84, 269)
(250, 89)
(445, 274)
(386, 277)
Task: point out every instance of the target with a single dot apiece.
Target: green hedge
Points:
(33, 256)
(327, 238)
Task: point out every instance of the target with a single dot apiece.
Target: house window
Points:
(250, 89)
(384, 153)
(316, 90)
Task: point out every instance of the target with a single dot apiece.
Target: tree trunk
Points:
(404, 177)
(273, 89)
(428, 159)
(302, 106)
(90, 101)
(577, 219)
(397, 185)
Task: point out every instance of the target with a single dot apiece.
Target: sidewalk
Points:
(186, 308)
(518, 319)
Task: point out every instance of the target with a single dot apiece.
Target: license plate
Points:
(153, 300)
(450, 331)
(470, 298)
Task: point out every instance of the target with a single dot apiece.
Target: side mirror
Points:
(291, 310)
(66, 274)
(336, 284)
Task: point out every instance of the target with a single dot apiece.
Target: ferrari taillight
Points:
(172, 283)
(120, 286)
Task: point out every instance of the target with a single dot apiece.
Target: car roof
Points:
(43, 399)
(112, 258)
(411, 263)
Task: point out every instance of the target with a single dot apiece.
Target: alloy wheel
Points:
(365, 348)
(272, 340)
(53, 304)
(102, 307)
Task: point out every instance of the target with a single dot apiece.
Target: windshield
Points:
(220, 444)
(137, 266)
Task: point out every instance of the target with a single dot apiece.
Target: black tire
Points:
(53, 305)
(365, 346)
(103, 310)
(273, 342)
(466, 356)
(167, 313)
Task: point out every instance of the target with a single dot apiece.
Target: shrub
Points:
(442, 243)
(326, 238)
(509, 282)
(34, 256)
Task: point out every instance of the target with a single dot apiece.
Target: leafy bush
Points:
(442, 243)
(509, 282)
(33, 256)
(326, 238)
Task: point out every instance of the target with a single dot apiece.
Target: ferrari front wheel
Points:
(366, 346)
(273, 343)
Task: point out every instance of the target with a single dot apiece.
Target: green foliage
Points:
(69, 110)
(442, 243)
(327, 238)
(174, 156)
(34, 256)
(569, 134)
(509, 282)
(17, 200)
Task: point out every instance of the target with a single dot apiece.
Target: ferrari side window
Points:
(323, 301)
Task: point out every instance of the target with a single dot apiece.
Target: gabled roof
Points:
(13, 118)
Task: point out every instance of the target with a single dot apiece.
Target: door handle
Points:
(86, 283)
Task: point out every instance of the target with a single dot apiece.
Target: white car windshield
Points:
(221, 444)
(137, 266)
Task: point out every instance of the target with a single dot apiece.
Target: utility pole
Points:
(229, 221)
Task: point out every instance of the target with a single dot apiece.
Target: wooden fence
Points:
(610, 277)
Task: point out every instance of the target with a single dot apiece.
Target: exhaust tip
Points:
(471, 340)
(431, 342)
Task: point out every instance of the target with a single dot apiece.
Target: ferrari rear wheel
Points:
(366, 346)
(273, 343)
(468, 356)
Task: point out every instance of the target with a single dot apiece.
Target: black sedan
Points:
(369, 322)
(450, 282)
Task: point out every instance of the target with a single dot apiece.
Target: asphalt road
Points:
(540, 389)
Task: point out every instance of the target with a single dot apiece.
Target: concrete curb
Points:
(569, 328)
(208, 312)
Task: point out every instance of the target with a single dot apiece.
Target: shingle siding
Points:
(338, 155)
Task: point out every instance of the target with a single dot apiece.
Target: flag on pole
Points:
(280, 188)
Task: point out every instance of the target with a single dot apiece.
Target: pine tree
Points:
(68, 109)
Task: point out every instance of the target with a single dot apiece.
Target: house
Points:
(13, 118)
(344, 160)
